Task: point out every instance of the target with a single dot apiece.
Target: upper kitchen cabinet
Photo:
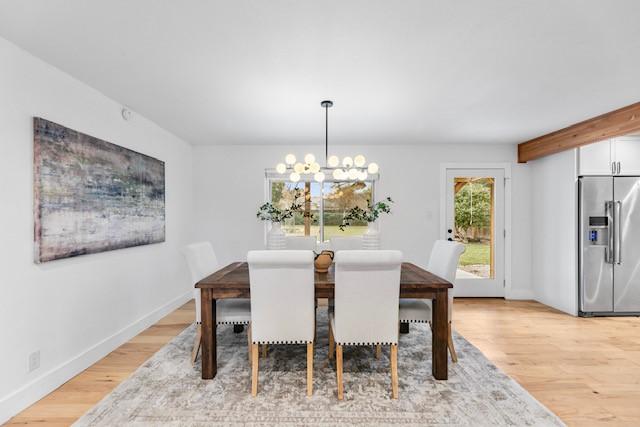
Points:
(595, 159)
(625, 150)
(616, 156)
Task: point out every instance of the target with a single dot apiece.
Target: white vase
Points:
(276, 239)
(371, 237)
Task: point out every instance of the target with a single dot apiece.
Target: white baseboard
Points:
(35, 390)
(520, 294)
(570, 310)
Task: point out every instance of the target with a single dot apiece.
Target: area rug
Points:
(167, 390)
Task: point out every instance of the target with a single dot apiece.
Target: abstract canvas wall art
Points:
(92, 196)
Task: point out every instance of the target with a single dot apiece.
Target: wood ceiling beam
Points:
(615, 123)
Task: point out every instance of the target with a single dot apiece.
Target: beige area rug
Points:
(167, 390)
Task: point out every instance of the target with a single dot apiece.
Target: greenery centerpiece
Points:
(276, 215)
(371, 238)
(368, 215)
(270, 212)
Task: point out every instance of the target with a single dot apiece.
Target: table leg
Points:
(209, 351)
(439, 336)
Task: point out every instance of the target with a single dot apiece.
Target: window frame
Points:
(271, 175)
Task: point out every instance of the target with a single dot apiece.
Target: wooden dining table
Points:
(233, 282)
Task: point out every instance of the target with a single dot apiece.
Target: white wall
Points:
(75, 311)
(229, 186)
(554, 216)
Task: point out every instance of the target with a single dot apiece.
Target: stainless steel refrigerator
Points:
(609, 246)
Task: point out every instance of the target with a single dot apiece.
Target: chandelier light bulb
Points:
(281, 168)
(333, 161)
(319, 176)
(294, 177)
(298, 168)
(359, 160)
(363, 175)
(373, 168)
(290, 159)
(337, 174)
(347, 162)
(353, 173)
(309, 158)
(315, 167)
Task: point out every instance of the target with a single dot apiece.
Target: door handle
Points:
(617, 255)
(449, 231)
(450, 239)
(613, 168)
(619, 168)
(609, 250)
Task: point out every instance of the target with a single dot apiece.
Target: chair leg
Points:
(394, 371)
(264, 351)
(378, 351)
(196, 344)
(254, 369)
(249, 343)
(309, 369)
(452, 349)
(339, 371)
(332, 343)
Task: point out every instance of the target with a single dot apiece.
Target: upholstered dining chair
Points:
(443, 262)
(304, 243)
(367, 289)
(202, 261)
(346, 243)
(277, 277)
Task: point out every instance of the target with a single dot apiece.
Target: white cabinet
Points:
(615, 156)
(595, 159)
(626, 151)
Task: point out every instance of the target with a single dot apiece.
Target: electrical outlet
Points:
(34, 361)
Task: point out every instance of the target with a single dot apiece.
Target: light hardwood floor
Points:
(587, 371)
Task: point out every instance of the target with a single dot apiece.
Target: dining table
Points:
(232, 281)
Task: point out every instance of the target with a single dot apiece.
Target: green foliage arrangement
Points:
(269, 212)
(357, 214)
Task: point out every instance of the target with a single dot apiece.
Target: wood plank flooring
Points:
(587, 371)
(67, 403)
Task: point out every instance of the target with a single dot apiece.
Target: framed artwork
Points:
(91, 195)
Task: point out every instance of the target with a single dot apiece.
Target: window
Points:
(474, 225)
(326, 204)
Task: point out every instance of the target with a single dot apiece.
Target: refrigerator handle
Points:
(609, 249)
(617, 256)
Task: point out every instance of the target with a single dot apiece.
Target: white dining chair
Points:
(346, 243)
(301, 243)
(277, 278)
(443, 262)
(202, 261)
(367, 289)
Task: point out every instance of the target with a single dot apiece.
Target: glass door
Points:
(475, 218)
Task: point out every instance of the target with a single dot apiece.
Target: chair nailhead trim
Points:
(283, 342)
(366, 343)
(413, 321)
(232, 323)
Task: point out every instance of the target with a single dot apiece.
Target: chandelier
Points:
(348, 169)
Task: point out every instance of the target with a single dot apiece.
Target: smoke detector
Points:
(126, 114)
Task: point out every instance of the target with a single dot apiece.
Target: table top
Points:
(233, 281)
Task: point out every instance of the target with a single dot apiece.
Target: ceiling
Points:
(399, 72)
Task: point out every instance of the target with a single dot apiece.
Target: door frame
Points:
(506, 168)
